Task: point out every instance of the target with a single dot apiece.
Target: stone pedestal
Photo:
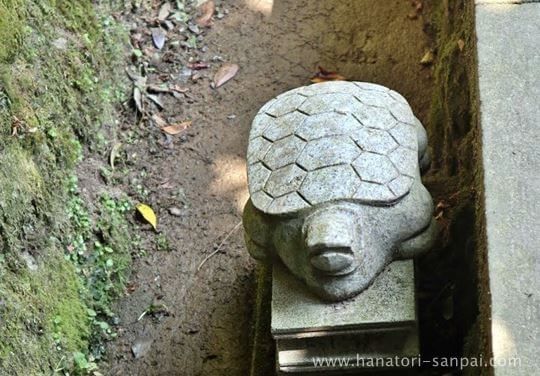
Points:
(359, 334)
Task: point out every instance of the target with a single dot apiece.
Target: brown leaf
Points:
(164, 11)
(177, 128)
(207, 11)
(224, 74)
(461, 44)
(324, 75)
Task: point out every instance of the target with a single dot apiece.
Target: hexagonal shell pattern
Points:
(375, 168)
(283, 152)
(331, 141)
(329, 183)
(328, 151)
(284, 180)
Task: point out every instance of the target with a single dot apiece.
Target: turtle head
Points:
(331, 241)
(338, 248)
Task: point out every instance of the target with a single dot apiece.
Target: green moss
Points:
(100, 249)
(11, 28)
(20, 183)
(42, 314)
(59, 79)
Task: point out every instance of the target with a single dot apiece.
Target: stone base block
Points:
(360, 334)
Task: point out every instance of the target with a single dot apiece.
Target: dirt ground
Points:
(199, 322)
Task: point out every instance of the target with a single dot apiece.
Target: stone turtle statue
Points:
(335, 189)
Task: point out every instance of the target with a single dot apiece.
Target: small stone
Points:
(141, 347)
(177, 212)
(185, 74)
(194, 29)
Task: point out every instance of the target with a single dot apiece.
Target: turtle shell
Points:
(332, 141)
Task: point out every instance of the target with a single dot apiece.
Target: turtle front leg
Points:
(258, 232)
(419, 243)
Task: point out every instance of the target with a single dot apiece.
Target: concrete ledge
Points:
(509, 90)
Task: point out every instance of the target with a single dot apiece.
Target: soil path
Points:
(278, 46)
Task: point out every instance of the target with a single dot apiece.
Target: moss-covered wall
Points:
(57, 69)
(455, 309)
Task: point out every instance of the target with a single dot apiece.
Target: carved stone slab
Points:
(378, 324)
(388, 303)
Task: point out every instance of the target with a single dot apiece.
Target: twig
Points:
(219, 246)
(142, 315)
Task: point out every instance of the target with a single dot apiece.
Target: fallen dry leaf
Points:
(428, 58)
(158, 37)
(16, 123)
(148, 214)
(114, 153)
(224, 74)
(461, 44)
(164, 11)
(177, 128)
(156, 100)
(207, 11)
(137, 97)
(324, 75)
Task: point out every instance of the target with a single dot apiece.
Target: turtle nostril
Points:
(332, 262)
